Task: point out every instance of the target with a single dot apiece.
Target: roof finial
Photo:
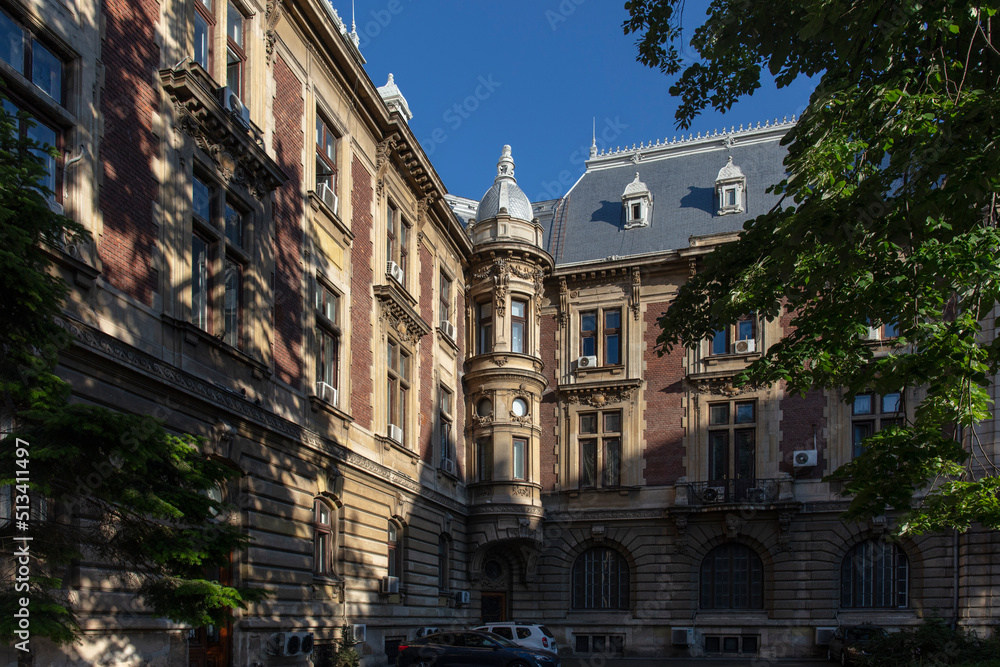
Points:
(505, 166)
(593, 141)
(354, 28)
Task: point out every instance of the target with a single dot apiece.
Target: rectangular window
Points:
(199, 282)
(728, 340)
(732, 436)
(326, 155)
(204, 25)
(322, 539)
(233, 307)
(398, 384)
(519, 449)
(46, 138)
(601, 454)
(485, 459)
(444, 423)
(327, 335)
(518, 325)
(601, 335)
(235, 53)
(445, 298)
(484, 316)
(397, 233)
(872, 413)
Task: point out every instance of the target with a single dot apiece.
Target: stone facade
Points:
(276, 267)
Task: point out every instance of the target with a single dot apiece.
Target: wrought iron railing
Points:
(740, 491)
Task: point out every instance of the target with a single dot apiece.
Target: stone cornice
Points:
(396, 310)
(240, 157)
(599, 393)
(603, 515)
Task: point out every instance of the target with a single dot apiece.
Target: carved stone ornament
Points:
(634, 301)
(240, 154)
(500, 361)
(563, 302)
(721, 387)
(732, 526)
(784, 530)
(600, 396)
(479, 422)
(399, 315)
(272, 14)
(681, 522)
(382, 153)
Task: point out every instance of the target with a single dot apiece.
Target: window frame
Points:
(394, 550)
(595, 445)
(519, 466)
(444, 563)
(399, 378)
(485, 459)
(484, 327)
(330, 138)
(867, 424)
(446, 420)
(397, 247)
(238, 50)
(324, 539)
(723, 341)
(601, 335)
(445, 289)
(594, 589)
(207, 14)
(861, 556)
(724, 446)
(519, 321)
(710, 582)
(328, 334)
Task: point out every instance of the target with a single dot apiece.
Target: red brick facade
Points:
(427, 393)
(288, 143)
(129, 100)
(664, 435)
(362, 279)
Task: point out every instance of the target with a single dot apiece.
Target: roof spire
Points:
(354, 27)
(505, 166)
(593, 141)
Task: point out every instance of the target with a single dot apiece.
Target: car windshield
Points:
(864, 634)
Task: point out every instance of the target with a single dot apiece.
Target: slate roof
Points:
(588, 223)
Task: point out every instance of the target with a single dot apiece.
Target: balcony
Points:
(735, 492)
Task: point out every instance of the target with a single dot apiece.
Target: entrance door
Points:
(208, 646)
(494, 607)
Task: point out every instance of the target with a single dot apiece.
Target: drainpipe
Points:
(954, 580)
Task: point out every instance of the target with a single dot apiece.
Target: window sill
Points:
(320, 206)
(447, 340)
(388, 443)
(716, 359)
(615, 369)
(194, 336)
(34, 96)
(453, 476)
(318, 404)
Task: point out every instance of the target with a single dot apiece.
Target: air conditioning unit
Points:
(804, 458)
(395, 271)
(756, 495)
(329, 197)
(448, 328)
(823, 635)
(745, 346)
(682, 636)
(714, 494)
(390, 585)
(448, 466)
(231, 102)
(395, 433)
(874, 333)
(586, 362)
(297, 643)
(326, 393)
(462, 597)
(361, 633)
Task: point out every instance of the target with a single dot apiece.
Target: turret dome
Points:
(504, 194)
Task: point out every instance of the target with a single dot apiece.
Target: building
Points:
(444, 409)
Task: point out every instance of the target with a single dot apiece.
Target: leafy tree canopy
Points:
(103, 487)
(888, 215)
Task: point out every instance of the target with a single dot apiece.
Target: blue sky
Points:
(534, 74)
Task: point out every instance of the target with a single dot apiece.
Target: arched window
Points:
(600, 580)
(324, 543)
(732, 577)
(395, 550)
(444, 562)
(874, 574)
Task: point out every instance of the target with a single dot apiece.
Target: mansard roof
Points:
(587, 223)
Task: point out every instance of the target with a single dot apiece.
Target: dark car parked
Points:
(848, 644)
(468, 647)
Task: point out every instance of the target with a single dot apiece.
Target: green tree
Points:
(888, 215)
(102, 486)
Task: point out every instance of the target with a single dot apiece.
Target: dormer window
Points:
(637, 204)
(730, 185)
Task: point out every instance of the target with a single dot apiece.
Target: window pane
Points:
(745, 454)
(11, 43)
(588, 322)
(588, 423)
(202, 200)
(613, 422)
(517, 337)
(201, 40)
(612, 462)
(863, 404)
(612, 319)
(718, 455)
(744, 330)
(234, 21)
(45, 136)
(891, 330)
(719, 342)
(234, 72)
(718, 413)
(518, 456)
(234, 287)
(326, 370)
(745, 413)
(486, 459)
(46, 71)
(588, 463)
(517, 308)
(199, 283)
(588, 346)
(861, 431)
(234, 226)
(731, 197)
(891, 403)
(611, 349)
